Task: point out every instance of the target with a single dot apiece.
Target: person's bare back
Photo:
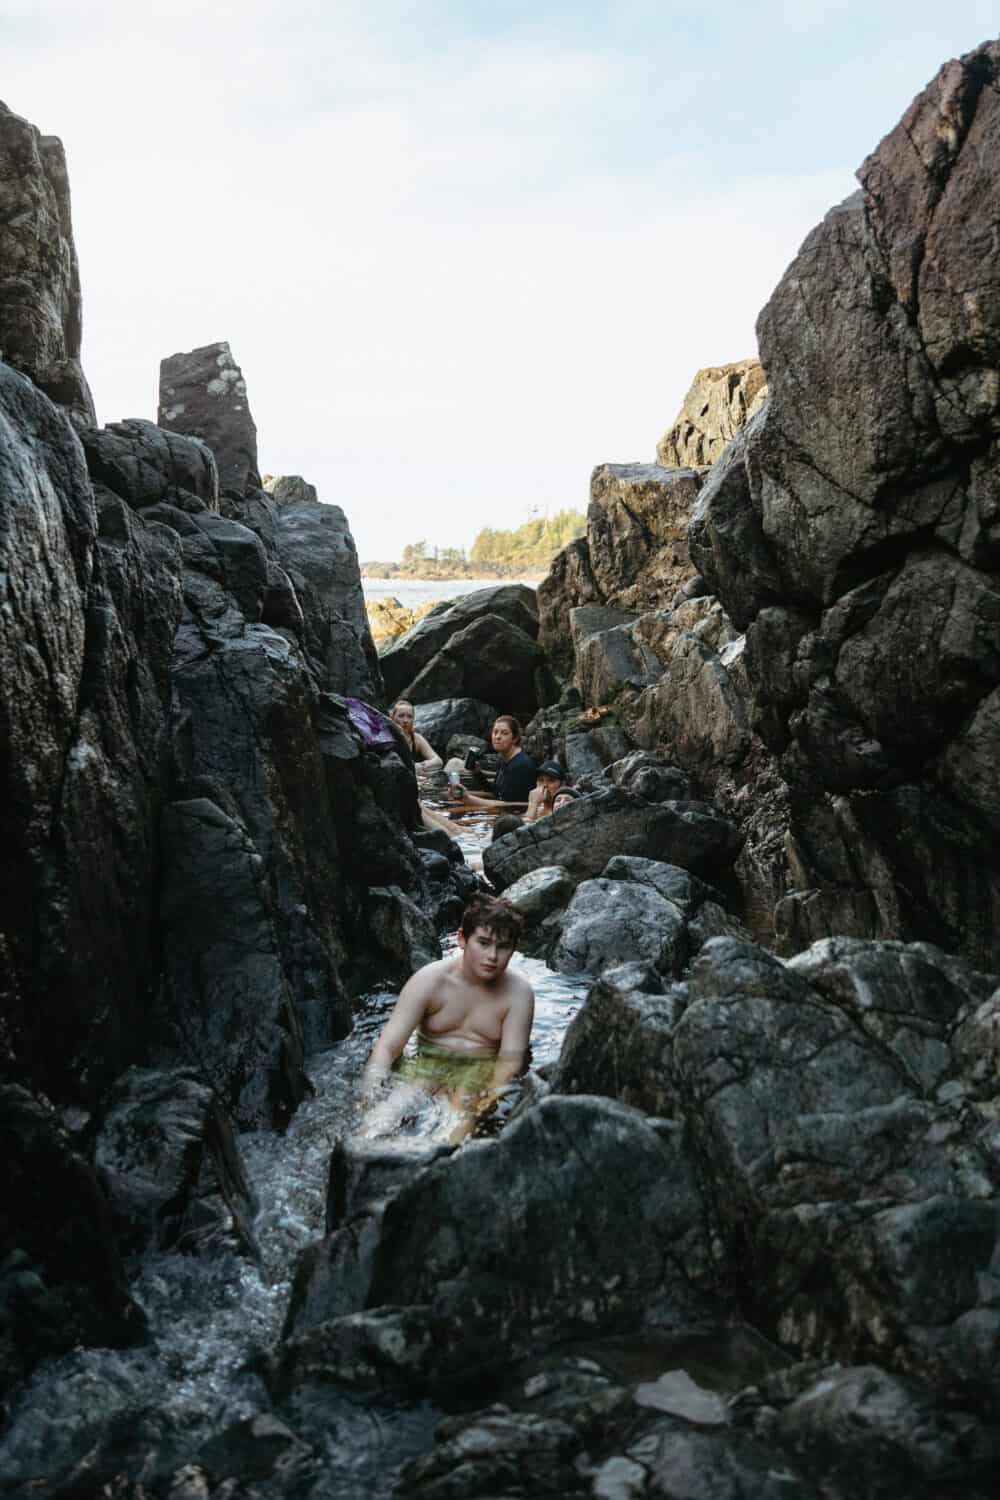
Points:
(471, 1014)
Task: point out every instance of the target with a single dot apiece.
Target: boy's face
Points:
(550, 785)
(484, 957)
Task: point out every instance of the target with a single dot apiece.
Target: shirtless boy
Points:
(472, 1017)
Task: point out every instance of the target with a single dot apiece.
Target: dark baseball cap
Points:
(552, 768)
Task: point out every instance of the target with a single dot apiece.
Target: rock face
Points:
(40, 309)
(637, 524)
(203, 394)
(409, 1289)
(853, 534)
(719, 404)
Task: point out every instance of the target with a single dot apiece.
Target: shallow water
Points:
(212, 1320)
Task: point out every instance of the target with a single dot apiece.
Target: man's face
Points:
(550, 785)
(503, 739)
(483, 957)
(562, 801)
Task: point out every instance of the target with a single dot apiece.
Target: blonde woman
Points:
(425, 758)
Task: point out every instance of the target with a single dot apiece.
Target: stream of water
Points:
(211, 1321)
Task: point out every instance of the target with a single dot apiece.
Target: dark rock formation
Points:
(582, 838)
(437, 722)
(62, 1281)
(718, 405)
(852, 532)
(169, 1159)
(637, 524)
(568, 584)
(433, 1284)
(203, 395)
(40, 310)
(482, 643)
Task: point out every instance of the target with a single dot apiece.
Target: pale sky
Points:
(462, 251)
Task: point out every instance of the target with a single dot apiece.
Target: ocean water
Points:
(412, 592)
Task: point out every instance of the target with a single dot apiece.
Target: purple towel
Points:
(373, 727)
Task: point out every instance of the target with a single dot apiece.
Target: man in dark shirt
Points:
(518, 773)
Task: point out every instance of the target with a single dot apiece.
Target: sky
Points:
(463, 252)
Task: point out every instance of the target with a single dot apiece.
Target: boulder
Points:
(439, 721)
(435, 1284)
(584, 836)
(856, 1181)
(488, 655)
(720, 402)
(405, 659)
(388, 619)
(203, 394)
(146, 466)
(539, 893)
(637, 524)
(364, 1172)
(610, 922)
(169, 1157)
(40, 308)
(609, 661)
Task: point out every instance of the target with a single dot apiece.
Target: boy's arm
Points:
(406, 1016)
(514, 1039)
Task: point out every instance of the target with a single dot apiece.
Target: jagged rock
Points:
(585, 835)
(609, 658)
(609, 922)
(92, 605)
(637, 524)
(146, 466)
(849, 1164)
(388, 619)
(719, 403)
(363, 1172)
(539, 893)
(861, 502)
(434, 1284)
(40, 308)
(697, 708)
(489, 655)
(404, 934)
(405, 659)
(203, 394)
(439, 722)
(568, 584)
(172, 1166)
(62, 1281)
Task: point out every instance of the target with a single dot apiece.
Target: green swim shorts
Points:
(442, 1071)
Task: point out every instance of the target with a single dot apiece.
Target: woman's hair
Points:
(399, 703)
(494, 917)
(515, 725)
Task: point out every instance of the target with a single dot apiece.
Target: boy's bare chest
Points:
(463, 1009)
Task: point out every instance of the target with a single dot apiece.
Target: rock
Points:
(438, 722)
(861, 503)
(620, 1041)
(585, 835)
(436, 1285)
(489, 655)
(40, 307)
(405, 659)
(404, 934)
(203, 394)
(610, 922)
(388, 619)
(637, 525)
(719, 403)
(62, 1281)
(848, 1167)
(610, 662)
(92, 606)
(568, 584)
(167, 1152)
(695, 709)
(539, 893)
(146, 466)
(363, 1172)
(679, 887)
(649, 776)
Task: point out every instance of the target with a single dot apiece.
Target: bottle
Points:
(454, 786)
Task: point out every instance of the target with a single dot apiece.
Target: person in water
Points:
(515, 780)
(472, 1016)
(425, 759)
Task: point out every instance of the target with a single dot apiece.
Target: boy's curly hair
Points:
(494, 917)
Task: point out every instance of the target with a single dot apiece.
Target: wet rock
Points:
(719, 403)
(405, 935)
(609, 922)
(539, 893)
(584, 836)
(848, 1165)
(637, 525)
(40, 307)
(172, 1166)
(61, 1279)
(495, 1452)
(363, 1172)
(435, 1284)
(619, 1043)
(203, 394)
(406, 659)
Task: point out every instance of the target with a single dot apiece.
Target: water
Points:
(212, 1321)
(412, 592)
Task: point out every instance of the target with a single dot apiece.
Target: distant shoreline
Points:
(437, 573)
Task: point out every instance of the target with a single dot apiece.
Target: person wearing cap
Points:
(565, 797)
(542, 796)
